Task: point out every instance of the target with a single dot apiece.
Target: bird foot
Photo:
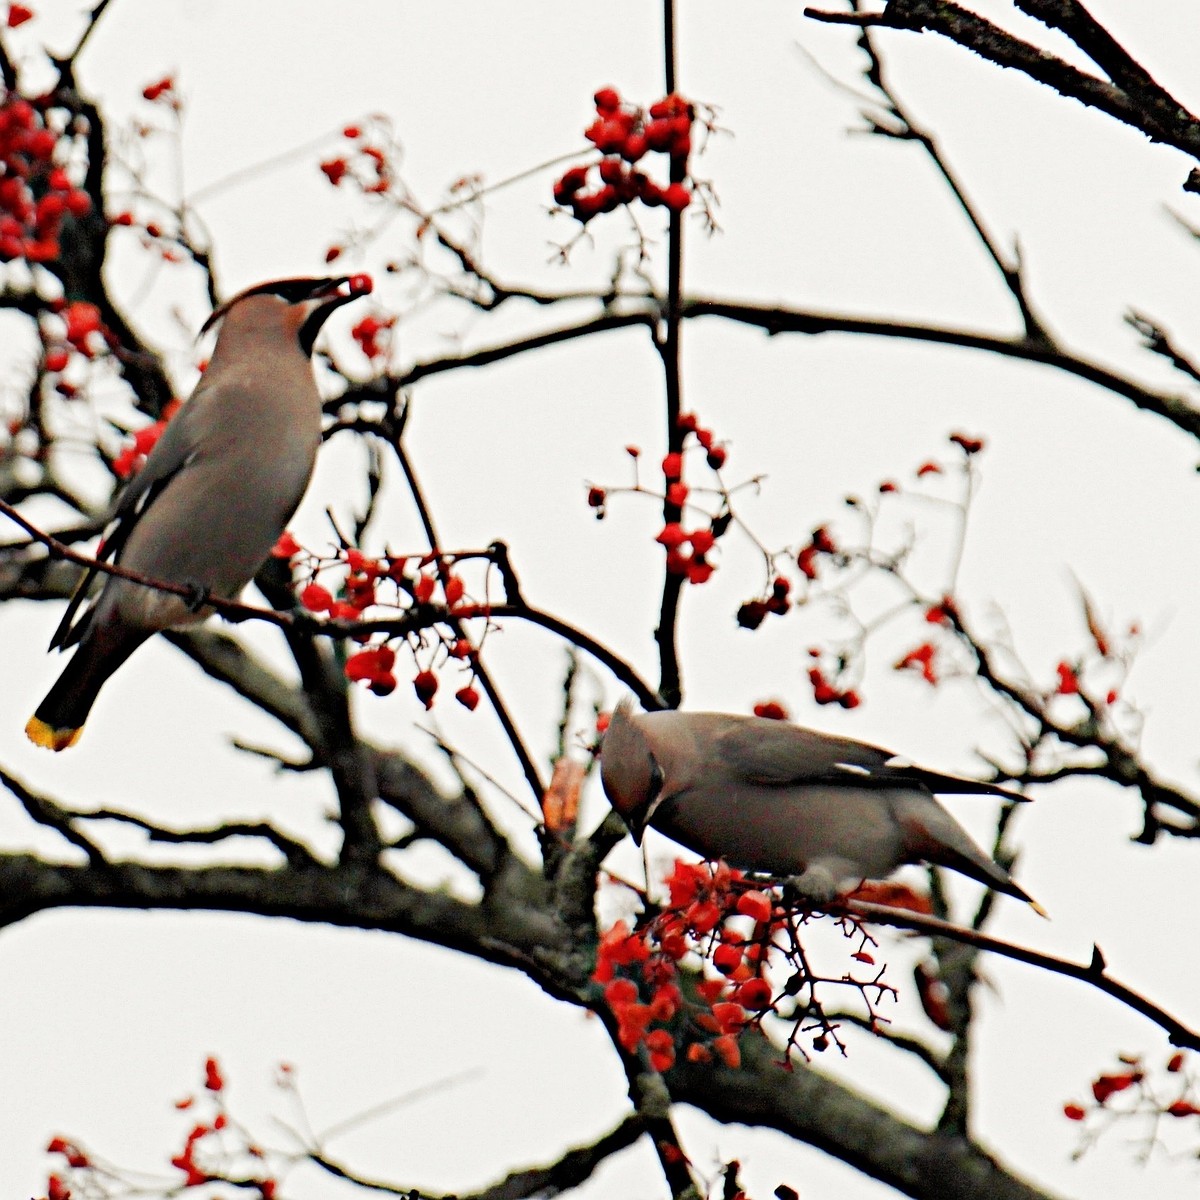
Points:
(196, 597)
(816, 887)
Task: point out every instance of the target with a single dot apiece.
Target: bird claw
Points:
(196, 597)
(816, 887)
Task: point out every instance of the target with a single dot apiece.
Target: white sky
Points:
(109, 1016)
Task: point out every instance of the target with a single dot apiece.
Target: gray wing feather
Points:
(775, 752)
(778, 753)
(169, 455)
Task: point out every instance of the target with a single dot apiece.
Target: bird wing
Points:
(171, 453)
(780, 754)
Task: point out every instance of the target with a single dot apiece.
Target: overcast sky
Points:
(110, 1016)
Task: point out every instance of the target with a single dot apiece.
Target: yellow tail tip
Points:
(41, 734)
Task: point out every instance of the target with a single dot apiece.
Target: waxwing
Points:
(769, 796)
(214, 494)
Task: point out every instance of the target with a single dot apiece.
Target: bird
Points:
(825, 812)
(214, 495)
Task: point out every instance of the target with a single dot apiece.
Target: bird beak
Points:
(343, 289)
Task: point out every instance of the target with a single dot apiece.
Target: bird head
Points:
(303, 305)
(632, 778)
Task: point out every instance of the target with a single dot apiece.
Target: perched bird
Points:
(769, 796)
(214, 494)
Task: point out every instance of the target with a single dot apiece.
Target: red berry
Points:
(677, 197)
(595, 497)
(56, 360)
(315, 598)
(672, 465)
(716, 457)
(156, 91)
(702, 540)
(607, 135)
(468, 697)
(212, 1075)
(677, 494)
(612, 170)
(286, 546)
(727, 958)
(671, 535)
(79, 204)
(635, 147)
(423, 588)
(968, 445)
(335, 170)
(608, 100)
(18, 14)
(425, 684)
(658, 134)
(756, 905)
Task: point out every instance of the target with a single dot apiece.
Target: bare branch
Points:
(1093, 973)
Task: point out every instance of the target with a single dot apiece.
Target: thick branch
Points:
(805, 1105)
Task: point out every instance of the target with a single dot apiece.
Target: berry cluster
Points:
(368, 163)
(37, 194)
(70, 333)
(624, 134)
(359, 591)
(687, 550)
(776, 601)
(701, 897)
(369, 332)
(364, 163)
(1141, 1092)
(715, 914)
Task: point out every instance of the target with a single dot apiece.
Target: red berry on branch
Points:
(716, 457)
(671, 535)
(335, 170)
(677, 197)
(608, 100)
(425, 684)
(756, 905)
(968, 445)
(423, 588)
(316, 598)
(156, 91)
(468, 697)
(751, 614)
(212, 1075)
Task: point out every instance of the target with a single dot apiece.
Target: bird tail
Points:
(983, 869)
(60, 717)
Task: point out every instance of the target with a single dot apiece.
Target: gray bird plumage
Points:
(769, 796)
(214, 494)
